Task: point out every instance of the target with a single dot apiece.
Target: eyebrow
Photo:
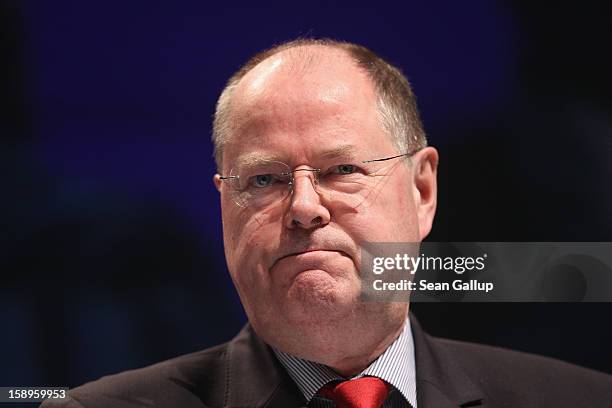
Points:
(255, 159)
(346, 150)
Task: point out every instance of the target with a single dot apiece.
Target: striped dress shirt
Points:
(395, 366)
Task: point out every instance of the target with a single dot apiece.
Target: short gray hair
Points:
(395, 99)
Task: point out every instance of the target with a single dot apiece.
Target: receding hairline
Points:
(303, 56)
(302, 51)
(301, 59)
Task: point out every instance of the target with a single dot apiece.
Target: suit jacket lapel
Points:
(440, 380)
(255, 378)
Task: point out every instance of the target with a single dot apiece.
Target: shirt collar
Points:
(396, 366)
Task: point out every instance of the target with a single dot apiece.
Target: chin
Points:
(316, 293)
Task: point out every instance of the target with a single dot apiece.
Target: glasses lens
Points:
(353, 183)
(259, 184)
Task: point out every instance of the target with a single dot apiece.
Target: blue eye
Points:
(344, 169)
(262, 180)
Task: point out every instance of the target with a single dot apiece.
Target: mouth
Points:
(308, 251)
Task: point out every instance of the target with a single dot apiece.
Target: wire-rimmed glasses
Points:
(261, 183)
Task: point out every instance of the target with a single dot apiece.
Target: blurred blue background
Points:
(112, 255)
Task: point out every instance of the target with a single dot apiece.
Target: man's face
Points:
(295, 262)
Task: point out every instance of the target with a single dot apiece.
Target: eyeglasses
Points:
(261, 183)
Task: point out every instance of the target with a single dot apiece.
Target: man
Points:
(320, 149)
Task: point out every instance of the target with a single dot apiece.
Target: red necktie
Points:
(364, 392)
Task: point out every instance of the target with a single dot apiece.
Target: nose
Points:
(305, 209)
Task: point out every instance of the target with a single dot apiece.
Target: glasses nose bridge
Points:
(311, 173)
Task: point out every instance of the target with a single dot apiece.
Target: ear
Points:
(217, 181)
(425, 171)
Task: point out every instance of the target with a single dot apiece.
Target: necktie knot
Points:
(363, 392)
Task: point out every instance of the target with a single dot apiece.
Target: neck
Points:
(353, 365)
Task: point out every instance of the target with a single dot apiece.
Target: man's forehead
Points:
(321, 72)
(306, 105)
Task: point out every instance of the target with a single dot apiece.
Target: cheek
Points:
(402, 213)
(390, 217)
(404, 202)
(248, 236)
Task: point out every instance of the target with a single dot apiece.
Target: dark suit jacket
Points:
(244, 373)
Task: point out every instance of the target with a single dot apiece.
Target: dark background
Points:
(111, 255)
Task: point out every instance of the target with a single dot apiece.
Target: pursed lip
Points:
(307, 251)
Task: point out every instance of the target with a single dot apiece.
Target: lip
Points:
(308, 251)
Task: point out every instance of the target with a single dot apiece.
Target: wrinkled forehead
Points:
(297, 94)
